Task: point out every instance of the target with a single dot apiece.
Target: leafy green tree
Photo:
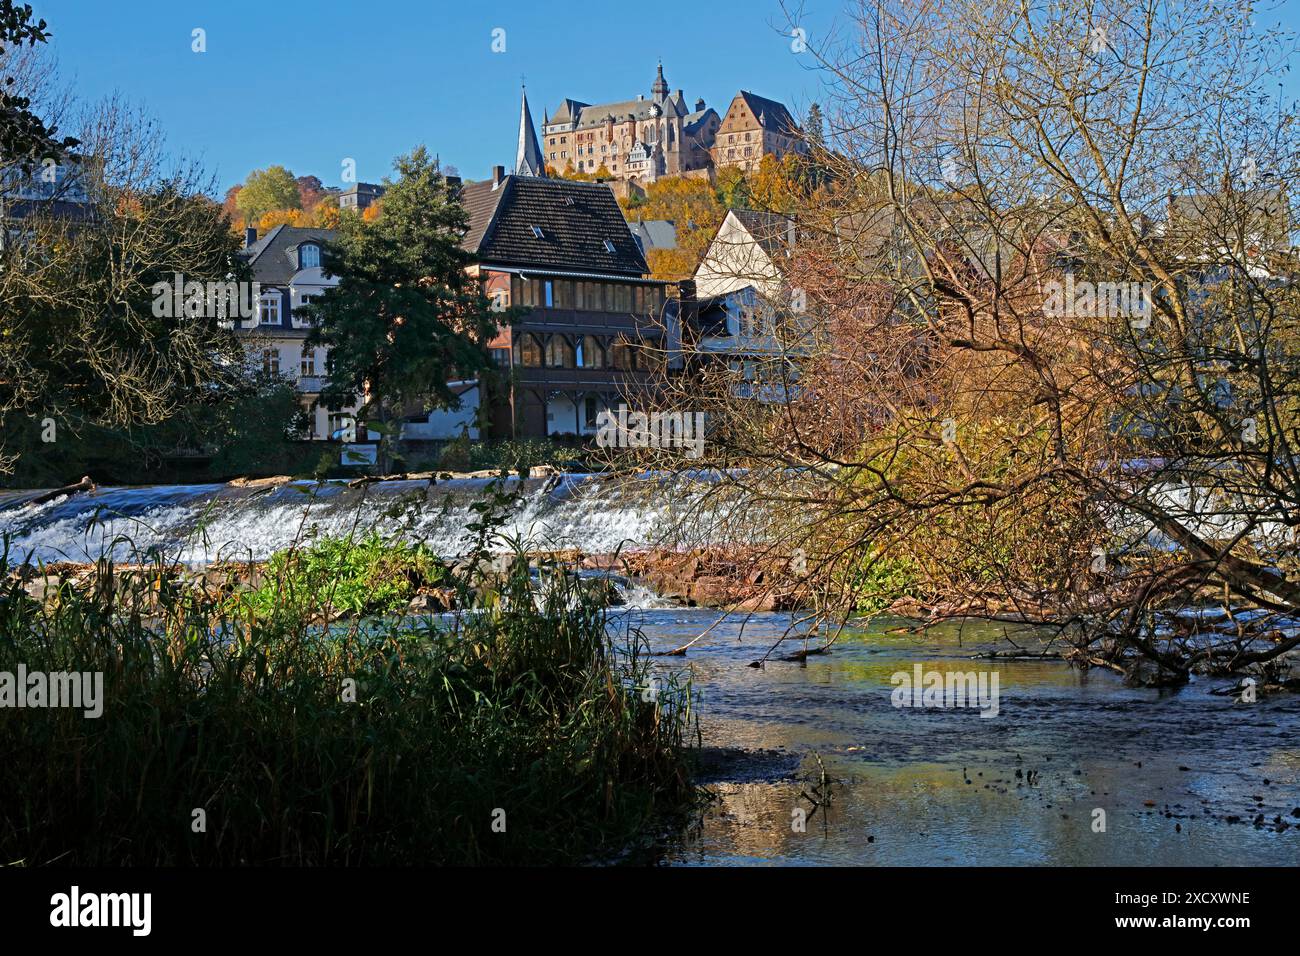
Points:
(268, 189)
(733, 188)
(24, 137)
(405, 316)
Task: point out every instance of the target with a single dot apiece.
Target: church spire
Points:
(528, 158)
(659, 91)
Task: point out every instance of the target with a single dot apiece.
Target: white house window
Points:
(271, 361)
(299, 319)
(268, 308)
(308, 366)
(310, 256)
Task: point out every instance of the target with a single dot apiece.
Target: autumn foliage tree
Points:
(1048, 365)
(266, 190)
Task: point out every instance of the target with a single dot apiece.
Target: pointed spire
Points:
(659, 91)
(528, 158)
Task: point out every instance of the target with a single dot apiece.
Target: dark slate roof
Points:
(770, 230)
(588, 115)
(363, 189)
(274, 257)
(771, 114)
(568, 112)
(575, 218)
(656, 233)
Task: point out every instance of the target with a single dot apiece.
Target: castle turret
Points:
(659, 91)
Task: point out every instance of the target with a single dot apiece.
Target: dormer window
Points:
(609, 245)
(537, 232)
(309, 256)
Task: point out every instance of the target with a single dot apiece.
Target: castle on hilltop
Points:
(647, 138)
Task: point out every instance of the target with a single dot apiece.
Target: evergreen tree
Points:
(814, 129)
(405, 317)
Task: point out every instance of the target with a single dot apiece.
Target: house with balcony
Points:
(286, 264)
(593, 333)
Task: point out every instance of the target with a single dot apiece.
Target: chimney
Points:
(498, 175)
(688, 305)
(250, 235)
(699, 105)
(453, 182)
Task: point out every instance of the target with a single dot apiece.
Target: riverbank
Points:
(231, 730)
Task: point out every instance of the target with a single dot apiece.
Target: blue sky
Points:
(307, 84)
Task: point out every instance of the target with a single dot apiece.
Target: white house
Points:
(286, 263)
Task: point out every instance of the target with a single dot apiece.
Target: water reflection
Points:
(1182, 776)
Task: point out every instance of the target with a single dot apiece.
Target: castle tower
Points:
(659, 91)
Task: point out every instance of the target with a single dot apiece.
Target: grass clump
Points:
(516, 732)
(354, 576)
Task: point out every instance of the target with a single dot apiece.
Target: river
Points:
(1181, 776)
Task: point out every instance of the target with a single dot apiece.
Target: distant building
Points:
(286, 263)
(52, 189)
(528, 155)
(360, 196)
(754, 127)
(642, 139)
(1250, 225)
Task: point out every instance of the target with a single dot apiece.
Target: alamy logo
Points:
(1110, 300)
(655, 430)
(75, 908)
(80, 690)
(940, 690)
(179, 299)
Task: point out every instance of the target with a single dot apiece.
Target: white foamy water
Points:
(200, 524)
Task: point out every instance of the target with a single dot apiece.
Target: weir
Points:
(201, 524)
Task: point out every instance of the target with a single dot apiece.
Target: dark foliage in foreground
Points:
(521, 706)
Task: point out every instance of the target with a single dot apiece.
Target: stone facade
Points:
(755, 127)
(638, 140)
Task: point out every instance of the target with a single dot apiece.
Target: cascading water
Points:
(201, 524)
